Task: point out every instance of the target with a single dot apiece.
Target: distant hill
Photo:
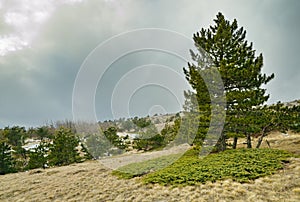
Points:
(130, 125)
(292, 103)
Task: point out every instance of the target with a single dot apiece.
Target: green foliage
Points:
(115, 140)
(15, 135)
(103, 144)
(87, 154)
(171, 131)
(6, 160)
(64, 151)
(224, 46)
(139, 169)
(38, 157)
(42, 132)
(20, 155)
(141, 122)
(263, 120)
(127, 125)
(148, 140)
(151, 139)
(111, 134)
(152, 143)
(242, 165)
(292, 118)
(97, 145)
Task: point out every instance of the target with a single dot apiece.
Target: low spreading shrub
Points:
(241, 165)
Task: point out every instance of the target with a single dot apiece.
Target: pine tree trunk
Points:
(260, 140)
(235, 139)
(249, 145)
(221, 144)
(268, 143)
(264, 134)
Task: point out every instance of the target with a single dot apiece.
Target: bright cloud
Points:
(16, 19)
(11, 43)
(26, 18)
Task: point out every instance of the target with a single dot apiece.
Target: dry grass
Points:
(91, 181)
(277, 140)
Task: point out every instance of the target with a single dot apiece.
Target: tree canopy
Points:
(240, 68)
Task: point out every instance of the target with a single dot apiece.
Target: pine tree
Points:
(15, 135)
(115, 140)
(97, 145)
(86, 153)
(64, 150)
(240, 70)
(38, 157)
(43, 132)
(293, 116)
(276, 117)
(6, 160)
(149, 139)
(171, 132)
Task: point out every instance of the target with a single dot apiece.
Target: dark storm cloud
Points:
(282, 50)
(37, 81)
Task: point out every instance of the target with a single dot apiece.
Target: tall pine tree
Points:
(240, 70)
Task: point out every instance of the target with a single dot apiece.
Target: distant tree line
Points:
(56, 147)
(61, 145)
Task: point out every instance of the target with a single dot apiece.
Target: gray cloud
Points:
(37, 82)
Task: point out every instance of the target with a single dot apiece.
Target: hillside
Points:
(91, 181)
(292, 103)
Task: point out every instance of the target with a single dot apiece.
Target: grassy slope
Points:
(90, 181)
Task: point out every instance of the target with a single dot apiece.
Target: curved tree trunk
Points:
(264, 133)
(260, 140)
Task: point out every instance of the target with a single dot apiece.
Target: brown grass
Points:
(277, 140)
(91, 181)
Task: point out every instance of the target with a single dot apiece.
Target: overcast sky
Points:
(44, 43)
